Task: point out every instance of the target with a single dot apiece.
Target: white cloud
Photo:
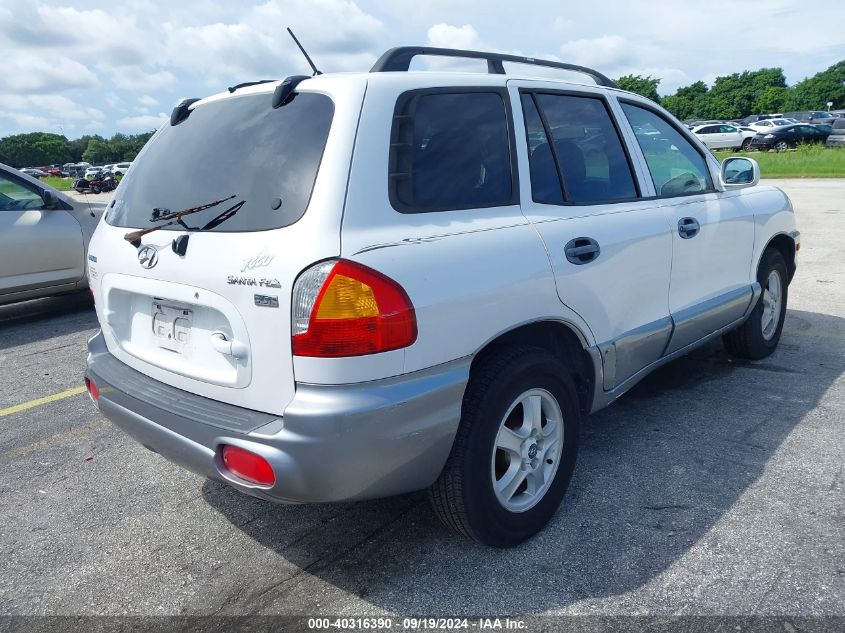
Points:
(55, 112)
(115, 61)
(562, 24)
(24, 73)
(448, 36)
(142, 122)
(337, 34)
(139, 79)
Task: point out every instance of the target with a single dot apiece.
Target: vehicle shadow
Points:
(656, 472)
(39, 319)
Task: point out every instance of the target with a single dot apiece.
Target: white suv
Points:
(369, 284)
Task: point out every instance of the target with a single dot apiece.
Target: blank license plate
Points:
(172, 326)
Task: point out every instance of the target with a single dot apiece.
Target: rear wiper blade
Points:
(134, 237)
(222, 217)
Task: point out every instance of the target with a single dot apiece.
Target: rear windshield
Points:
(267, 158)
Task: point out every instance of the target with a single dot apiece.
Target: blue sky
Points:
(105, 67)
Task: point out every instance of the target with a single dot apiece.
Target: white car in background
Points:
(720, 136)
(91, 172)
(120, 169)
(762, 127)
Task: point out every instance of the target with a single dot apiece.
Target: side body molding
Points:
(627, 359)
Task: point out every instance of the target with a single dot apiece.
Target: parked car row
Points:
(78, 170)
(807, 116)
(115, 169)
(778, 134)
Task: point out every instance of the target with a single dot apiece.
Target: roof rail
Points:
(399, 60)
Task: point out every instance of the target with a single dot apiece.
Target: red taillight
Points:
(248, 466)
(92, 389)
(347, 309)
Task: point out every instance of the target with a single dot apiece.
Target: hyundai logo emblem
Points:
(148, 256)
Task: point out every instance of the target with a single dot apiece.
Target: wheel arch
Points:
(563, 339)
(785, 244)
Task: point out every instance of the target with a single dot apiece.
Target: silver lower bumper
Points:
(334, 443)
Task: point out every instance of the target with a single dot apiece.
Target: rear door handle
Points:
(688, 227)
(581, 250)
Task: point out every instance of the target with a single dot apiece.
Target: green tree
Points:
(689, 102)
(814, 92)
(645, 86)
(78, 146)
(772, 99)
(736, 95)
(98, 152)
(35, 149)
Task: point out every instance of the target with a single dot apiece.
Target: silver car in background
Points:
(44, 237)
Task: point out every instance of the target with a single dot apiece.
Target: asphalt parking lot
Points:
(713, 487)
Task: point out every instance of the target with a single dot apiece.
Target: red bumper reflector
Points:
(92, 390)
(248, 466)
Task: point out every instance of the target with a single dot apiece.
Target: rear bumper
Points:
(334, 443)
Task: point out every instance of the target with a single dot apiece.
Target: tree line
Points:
(736, 96)
(39, 149)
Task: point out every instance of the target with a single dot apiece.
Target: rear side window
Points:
(450, 150)
(573, 140)
(676, 166)
(268, 158)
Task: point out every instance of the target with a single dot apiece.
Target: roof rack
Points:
(399, 60)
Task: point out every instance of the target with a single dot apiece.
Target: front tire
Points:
(515, 449)
(746, 145)
(781, 146)
(759, 336)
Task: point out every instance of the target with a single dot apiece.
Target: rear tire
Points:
(758, 337)
(512, 460)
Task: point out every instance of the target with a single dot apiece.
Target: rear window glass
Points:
(450, 151)
(267, 158)
(587, 149)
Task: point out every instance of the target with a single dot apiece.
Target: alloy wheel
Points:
(527, 451)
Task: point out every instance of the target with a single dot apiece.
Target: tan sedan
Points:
(44, 238)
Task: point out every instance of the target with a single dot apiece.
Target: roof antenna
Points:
(310, 63)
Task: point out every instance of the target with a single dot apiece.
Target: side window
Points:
(450, 150)
(727, 129)
(585, 148)
(676, 166)
(711, 129)
(545, 183)
(14, 196)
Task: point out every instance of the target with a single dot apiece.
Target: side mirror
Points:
(50, 199)
(738, 172)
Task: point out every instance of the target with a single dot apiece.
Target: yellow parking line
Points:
(39, 401)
